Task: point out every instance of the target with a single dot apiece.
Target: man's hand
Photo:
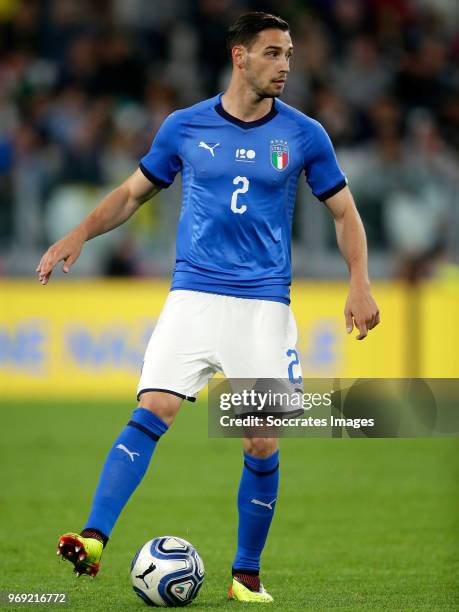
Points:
(361, 310)
(67, 250)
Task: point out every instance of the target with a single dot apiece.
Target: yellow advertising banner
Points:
(87, 338)
(438, 317)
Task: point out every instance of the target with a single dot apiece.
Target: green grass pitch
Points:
(360, 524)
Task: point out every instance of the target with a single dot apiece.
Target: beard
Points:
(262, 89)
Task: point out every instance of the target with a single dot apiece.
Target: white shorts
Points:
(199, 334)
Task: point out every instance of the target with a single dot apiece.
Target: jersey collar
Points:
(246, 125)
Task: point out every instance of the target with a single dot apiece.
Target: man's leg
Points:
(256, 503)
(123, 471)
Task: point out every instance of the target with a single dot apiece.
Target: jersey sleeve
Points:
(162, 162)
(323, 173)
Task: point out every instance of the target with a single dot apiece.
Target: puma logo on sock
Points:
(260, 503)
(127, 451)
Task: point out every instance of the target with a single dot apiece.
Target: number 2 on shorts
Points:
(295, 361)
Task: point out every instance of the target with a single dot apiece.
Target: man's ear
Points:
(239, 54)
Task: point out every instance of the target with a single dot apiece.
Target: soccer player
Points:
(241, 155)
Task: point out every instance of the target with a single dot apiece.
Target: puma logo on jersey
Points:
(209, 147)
(127, 451)
(260, 503)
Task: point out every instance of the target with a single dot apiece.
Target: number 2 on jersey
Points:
(235, 207)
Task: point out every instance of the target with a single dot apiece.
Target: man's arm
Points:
(361, 309)
(116, 208)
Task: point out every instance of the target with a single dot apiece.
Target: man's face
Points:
(266, 62)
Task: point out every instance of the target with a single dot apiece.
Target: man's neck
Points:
(244, 104)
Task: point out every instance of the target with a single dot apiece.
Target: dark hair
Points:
(246, 27)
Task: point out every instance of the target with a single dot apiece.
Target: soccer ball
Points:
(167, 571)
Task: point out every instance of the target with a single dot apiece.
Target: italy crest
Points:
(279, 154)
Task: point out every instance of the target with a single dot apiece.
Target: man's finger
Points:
(44, 278)
(40, 264)
(349, 322)
(69, 261)
(45, 269)
(373, 321)
(363, 331)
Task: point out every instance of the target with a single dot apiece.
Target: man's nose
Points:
(285, 66)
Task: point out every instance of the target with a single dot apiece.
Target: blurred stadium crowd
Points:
(85, 84)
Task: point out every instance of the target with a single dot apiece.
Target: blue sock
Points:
(124, 468)
(256, 501)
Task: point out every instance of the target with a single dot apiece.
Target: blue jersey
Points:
(239, 181)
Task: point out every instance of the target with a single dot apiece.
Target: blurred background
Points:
(84, 86)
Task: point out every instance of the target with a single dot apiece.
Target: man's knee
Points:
(164, 405)
(260, 447)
